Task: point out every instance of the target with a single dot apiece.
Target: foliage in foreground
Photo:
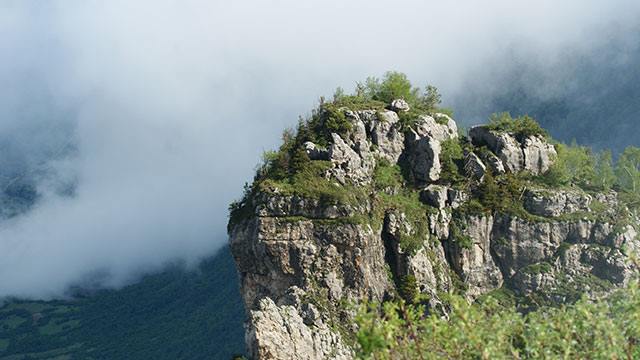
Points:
(605, 329)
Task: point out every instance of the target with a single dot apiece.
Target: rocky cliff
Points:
(376, 203)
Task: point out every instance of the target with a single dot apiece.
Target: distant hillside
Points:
(171, 315)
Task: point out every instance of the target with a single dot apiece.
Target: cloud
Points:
(162, 108)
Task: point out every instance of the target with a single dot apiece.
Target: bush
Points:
(451, 160)
(607, 329)
(394, 85)
(573, 165)
(521, 127)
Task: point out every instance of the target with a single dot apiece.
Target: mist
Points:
(136, 123)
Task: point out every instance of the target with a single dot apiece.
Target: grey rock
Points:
(426, 160)
(457, 198)
(301, 259)
(435, 195)
(398, 105)
(538, 154)
(314, 152)
(475, 264)
(493, 163)
(279, 332)
(439, 223)
(424, 147)
(386, 135)
(474, 167)
(553, 203)
(427, 126)
(534, 154)
(350, 164)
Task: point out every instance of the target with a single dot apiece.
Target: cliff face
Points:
(304, 260)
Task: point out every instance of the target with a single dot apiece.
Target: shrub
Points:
(574, 165)
(493, 329)
(521, 127)
(394, 85)
(451, 158)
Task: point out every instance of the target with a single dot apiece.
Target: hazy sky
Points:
(168, 105)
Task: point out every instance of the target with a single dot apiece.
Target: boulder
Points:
(314, 152)
(493, 163)
(474, 167)
(427, 126)
(387, 136)
(424, 147)
(533, 154)
(538, 155)
(435, 195)
(398, 105)
(426, 160)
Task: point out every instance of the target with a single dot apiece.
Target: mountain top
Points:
(379, 196)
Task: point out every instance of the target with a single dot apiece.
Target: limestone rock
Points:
(553, 203)
(493, 163)
(424, 147)
(314, 152)
(474, 167)
(534, 154)
(301, 259)
(279, 332)
(457, 198)
(435, 195)
(426, 160)
(398, 105)
(427, 126)
(348, 164)
(538, 154)
(428, 264)
(386, 135)
(475, 264)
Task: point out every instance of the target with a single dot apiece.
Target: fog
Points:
(137, 122)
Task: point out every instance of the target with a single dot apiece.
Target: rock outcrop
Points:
(303, 260)
(424, 144)
(533, 154)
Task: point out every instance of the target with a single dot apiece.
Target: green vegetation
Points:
(539, 268)
(521, 127)
(596, 172)
(493, 329)
(503, 194)
(406, 202)
(176, 314)
(451, 161)
(458, 235)
(387, 176)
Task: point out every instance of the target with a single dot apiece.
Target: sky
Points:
(140, 121)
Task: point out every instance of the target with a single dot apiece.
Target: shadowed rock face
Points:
(302, 260)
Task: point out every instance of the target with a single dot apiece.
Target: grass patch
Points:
(387, 176)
